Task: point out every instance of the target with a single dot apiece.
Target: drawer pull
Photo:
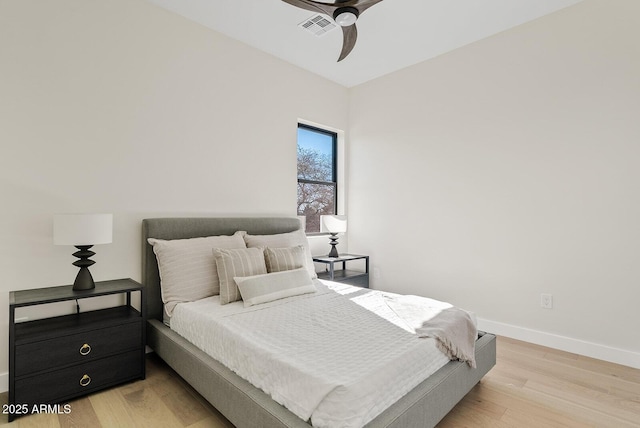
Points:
(85, 349)
(86, 380)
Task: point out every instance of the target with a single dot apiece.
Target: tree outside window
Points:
(317, 184)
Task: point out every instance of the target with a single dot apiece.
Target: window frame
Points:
(334, 167)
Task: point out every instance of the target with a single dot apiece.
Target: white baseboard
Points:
(563, 343)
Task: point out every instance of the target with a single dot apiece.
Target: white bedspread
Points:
(338, 357)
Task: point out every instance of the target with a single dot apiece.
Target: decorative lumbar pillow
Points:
(273, 286)
(239, 262)
(281, 259)
(283, 240)
(187, 267)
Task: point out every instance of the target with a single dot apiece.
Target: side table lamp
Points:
(333, 224)
(83, 231)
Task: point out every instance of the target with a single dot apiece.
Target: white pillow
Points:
(273, 286)
(237, 262)
(283, 240)
(187, 267)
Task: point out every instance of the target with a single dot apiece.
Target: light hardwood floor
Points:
(531, 386)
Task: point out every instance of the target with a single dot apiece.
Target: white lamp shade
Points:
(82, 229)
(333, 223)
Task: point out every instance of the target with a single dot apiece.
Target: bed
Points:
(244, 404)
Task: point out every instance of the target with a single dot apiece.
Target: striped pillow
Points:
(281, 259)
(237, 262)
(187, 267)
(282, 240)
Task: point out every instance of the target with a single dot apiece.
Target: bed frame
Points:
(247, 406)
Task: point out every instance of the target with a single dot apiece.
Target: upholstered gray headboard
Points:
(193, 227)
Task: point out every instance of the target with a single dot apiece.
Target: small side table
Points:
(353, 277)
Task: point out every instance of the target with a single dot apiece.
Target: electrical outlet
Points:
(376, 273)
(546, 301)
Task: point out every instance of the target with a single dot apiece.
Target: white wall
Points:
(511, 168)
(484, 177)
(119, 106)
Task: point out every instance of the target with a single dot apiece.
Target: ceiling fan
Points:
(344, 12)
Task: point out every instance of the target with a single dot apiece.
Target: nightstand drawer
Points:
(78, 380)
(76, 348)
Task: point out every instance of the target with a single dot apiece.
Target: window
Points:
(317, 183)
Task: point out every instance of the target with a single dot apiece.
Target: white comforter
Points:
(338, 357)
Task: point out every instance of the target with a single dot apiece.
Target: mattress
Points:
(337, 357)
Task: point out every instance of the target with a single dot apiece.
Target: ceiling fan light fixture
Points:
(346, 16)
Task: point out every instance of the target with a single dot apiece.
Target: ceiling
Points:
(392, 35)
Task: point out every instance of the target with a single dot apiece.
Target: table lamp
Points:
(333, 224)
(83, 231)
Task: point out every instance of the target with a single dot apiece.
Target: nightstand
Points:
(55, 359)
(353, 277)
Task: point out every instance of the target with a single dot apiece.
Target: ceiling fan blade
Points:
(349, 35)
(349, 32)
(366, 4)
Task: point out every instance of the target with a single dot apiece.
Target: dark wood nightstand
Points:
(53, 360)
(353, 277)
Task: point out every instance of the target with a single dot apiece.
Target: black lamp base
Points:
(334, 241)
(84, 280)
